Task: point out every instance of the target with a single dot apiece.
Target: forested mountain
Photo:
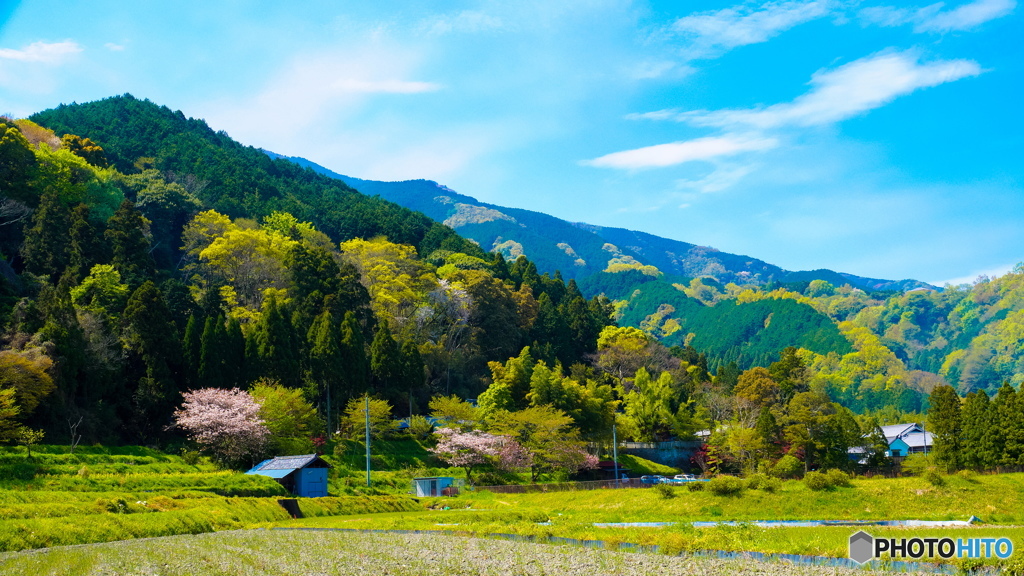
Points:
(579, 250)
(145, 255)
(154, 255)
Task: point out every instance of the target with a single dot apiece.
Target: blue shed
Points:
(304, 476)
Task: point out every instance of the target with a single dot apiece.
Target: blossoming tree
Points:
(225, 423)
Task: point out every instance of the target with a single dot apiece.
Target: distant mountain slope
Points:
(580, 250)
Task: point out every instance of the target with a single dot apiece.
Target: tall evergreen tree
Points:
(192, 351)
(84, 244)
(945, 425)
(385, 360)
(126, 233)
(355, 370)
(45, 248)
(1008, 408)
(412, 371)
(212, 373)
(325, 364)
(273, 347)
(152, 340)
(981, 443)
(234, 355)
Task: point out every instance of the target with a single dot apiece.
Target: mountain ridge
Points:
(557, 244)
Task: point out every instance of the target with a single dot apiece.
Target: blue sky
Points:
(870, 137)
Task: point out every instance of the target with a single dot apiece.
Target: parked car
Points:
(684, 478)
(652, 479)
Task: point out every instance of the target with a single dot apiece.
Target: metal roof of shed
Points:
(283, 465)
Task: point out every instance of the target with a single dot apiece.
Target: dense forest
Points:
(145, 255)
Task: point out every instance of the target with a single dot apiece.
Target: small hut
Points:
(434, 486)
(304, 476)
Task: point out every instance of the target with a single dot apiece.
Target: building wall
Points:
(311, 482)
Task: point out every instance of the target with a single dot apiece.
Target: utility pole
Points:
(367, 440)
(615, 453)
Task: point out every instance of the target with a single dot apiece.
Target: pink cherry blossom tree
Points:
(225, 423)
(471, 450)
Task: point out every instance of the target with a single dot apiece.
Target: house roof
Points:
(894, 431)
(284, 465)
(918, 439)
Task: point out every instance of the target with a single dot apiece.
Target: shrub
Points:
(918, 463)
(838, 478)
(420, 427)
(771, 484)
(816, 481)
(725, 485)
(755, 481)
(787, 467)
(190, 457)
(695, 486)
(665, 492)
(934, 478)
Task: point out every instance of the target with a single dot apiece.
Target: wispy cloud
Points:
(466, 21)
(674, 153)
(721, 178)
(837, 94)
(360, 86)
(715, 32)
(935, 18)
(42, 52)
(113, 47)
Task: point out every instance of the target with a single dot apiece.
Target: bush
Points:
(755, 481)
(665, 492)
(190, 457)
(918, 463)
(838, 478)
(725, 485)
(695, 486)
(771, 484)
(934, 478)
(816, 481)
(420, 427)
(787, 467)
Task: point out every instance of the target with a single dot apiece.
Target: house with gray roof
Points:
(304, 475)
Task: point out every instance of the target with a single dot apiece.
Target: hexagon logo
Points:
(862, 547)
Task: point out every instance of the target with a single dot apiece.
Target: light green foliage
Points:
(546, 434)
(510, 383)
(77, 181)
(102, 292)
(291, 419)
(648, 405)
(788, 467)
(454, 412)
(354, 420)
(725, 486)
(398, 282)
(249, 261)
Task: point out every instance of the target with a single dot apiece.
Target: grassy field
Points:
(105, 494)
(997, 499)
(275, 553)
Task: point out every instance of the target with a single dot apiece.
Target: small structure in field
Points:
(304, 475)
(435, 486)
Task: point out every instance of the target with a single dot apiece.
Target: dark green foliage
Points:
(45, 249)
(240, 180)
(129, 245)
(212, 350)
(272, 349)
(385, 361)
(944, 422)
(982, 441)
(355, 373)
(86, 246)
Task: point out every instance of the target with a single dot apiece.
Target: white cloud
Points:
(42, 52)
(721, 178)
(113, 47)
(934, 18)
(843, 92)
(714, 32)
(674, 153)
